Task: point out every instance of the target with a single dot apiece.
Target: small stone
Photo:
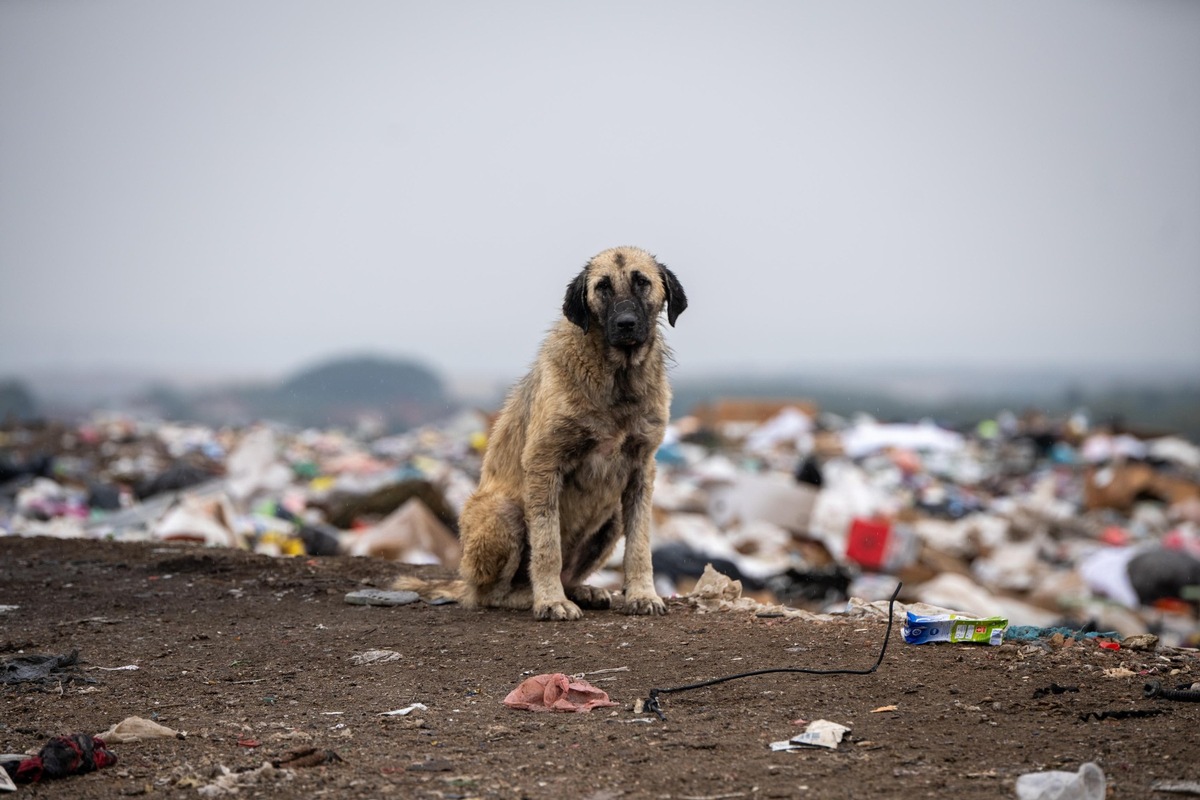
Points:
(379, 597)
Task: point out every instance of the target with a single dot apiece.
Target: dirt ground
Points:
(241, 650)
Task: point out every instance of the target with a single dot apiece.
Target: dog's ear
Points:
(676, 299)
(575, 306)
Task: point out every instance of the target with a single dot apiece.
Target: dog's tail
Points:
(433, 591)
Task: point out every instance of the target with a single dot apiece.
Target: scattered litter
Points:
(432, 765)
(374, 657)
(231, 782)
(1025, 633)
(556, 692)
(1088, 783)
(380, 597)
(1119, 672)
(73, 754)
(1032, 519)
(136, 729)
(884, 709)
(127, 667)
(953, 628)
(819, 733)
(404, 712)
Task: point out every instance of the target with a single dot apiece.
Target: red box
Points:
(867, 543)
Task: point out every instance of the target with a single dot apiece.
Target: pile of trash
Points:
(1039, 522)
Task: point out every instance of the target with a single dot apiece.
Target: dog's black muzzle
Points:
(627, 324)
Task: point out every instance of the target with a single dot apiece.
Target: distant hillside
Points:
(382, 394)
(343, 391)
(16, 401)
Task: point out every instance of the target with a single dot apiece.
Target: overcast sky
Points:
(245, 186)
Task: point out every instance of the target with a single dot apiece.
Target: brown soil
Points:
(238, 649)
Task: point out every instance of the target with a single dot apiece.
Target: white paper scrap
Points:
(404, 712)
(819, 733)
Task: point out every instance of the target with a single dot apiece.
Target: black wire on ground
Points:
(652, 700)
(1155, 689)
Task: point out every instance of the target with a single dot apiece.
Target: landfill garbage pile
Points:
(1036, 521)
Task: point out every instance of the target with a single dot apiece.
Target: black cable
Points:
(652, 700)
(1155, 689)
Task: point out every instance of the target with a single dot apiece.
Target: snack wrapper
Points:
(953, 628)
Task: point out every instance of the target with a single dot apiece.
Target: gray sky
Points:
(208, 187)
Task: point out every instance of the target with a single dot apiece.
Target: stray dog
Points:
(569, 467)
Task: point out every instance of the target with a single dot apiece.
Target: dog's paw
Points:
(558, 610)
(590, 596)
(648, 605)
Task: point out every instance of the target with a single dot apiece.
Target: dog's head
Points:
(622, 291)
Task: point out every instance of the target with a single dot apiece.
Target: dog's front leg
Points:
(545, 545)
(640, 597)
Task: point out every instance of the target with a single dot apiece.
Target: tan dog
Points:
(569, 467)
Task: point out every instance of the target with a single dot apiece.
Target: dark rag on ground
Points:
(36, 668)
(73, 754)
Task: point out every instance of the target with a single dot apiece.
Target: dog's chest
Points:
(592, 492)
(609, 447)
(608, 464)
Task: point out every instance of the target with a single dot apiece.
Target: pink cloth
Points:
(556, 692)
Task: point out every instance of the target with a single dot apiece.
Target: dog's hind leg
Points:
(519, 598)
(495, 551)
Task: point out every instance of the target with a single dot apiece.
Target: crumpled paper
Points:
(819, 733)
(717, 592)
(556, 692)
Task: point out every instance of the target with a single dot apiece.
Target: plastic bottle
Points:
(1087, 784)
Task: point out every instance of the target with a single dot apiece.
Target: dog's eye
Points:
(640, 281)
(604, 285)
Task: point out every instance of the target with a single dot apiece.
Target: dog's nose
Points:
(625, 318)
